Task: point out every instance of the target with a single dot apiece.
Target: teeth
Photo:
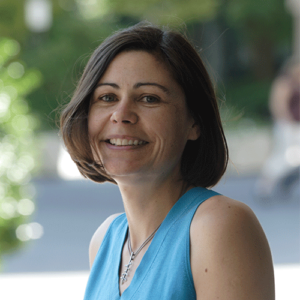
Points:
(125, 142)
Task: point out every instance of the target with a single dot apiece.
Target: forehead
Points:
(137, 65)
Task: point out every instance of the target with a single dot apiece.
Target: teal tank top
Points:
(164, 272)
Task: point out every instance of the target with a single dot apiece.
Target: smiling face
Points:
(138, 120)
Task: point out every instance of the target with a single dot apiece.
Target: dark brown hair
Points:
(204, 161)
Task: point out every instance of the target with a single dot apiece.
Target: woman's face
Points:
(138, 119)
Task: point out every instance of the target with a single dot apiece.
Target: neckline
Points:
(158, 238)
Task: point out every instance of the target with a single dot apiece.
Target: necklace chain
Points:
(134, 254)
(142, 246)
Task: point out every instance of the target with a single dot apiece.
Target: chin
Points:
(121, 171)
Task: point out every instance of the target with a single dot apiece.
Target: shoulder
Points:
(221, 218)
(98, 236)
(219, 209)
(230, 255)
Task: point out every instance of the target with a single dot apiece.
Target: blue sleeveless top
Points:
(165, 270)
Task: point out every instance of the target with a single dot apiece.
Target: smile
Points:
(125, 142)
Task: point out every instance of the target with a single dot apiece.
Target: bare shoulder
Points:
(230, 255)
(220, 208)
(98, 237)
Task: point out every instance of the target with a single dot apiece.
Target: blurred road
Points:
(70, 212)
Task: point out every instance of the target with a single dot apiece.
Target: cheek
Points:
(95, 124)
(93, 132)
(179, 121)
(91, 127)
(173, 128)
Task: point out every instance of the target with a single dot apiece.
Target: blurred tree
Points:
(262, 25)
(55, 53)
(171, 12)
(248, 53)
(60, 55)
(12, 23)
(16, 148)
(264, 33)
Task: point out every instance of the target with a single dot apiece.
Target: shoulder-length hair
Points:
(204, 161)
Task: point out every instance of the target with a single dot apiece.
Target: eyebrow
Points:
(108, 83)
(163, 88)
(136, 86)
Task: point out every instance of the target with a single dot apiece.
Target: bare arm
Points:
(230, 255)
(98, 237)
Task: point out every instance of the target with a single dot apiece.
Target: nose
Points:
(124, 113)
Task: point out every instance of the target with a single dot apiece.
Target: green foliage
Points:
(167, 11)
(171, 12)
(268, 18)
(248, 98)
(60, 55)
(16, 146)
(12, 19)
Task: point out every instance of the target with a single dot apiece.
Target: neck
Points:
(147, 204)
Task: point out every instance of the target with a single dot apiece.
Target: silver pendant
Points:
(133, 254)
(128, 266)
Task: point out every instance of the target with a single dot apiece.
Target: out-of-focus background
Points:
(48, 212)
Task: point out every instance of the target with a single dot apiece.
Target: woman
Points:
(145, 116)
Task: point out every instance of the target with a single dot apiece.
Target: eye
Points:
(108, 98)
(150, 99)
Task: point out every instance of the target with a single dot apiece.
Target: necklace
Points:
(134, 254)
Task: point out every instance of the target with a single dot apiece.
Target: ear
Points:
(194, 132)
